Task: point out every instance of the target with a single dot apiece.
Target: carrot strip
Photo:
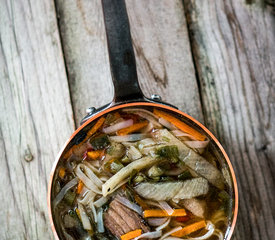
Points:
(131, 235)
(135, 127)
(78, 213)
(162, 213)
(97, 125)
(179, 124)
(62, 172)
(69, 153)
(94, 154)
(79, 187)
(189, 229)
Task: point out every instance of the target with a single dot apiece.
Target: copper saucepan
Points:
(127, 93)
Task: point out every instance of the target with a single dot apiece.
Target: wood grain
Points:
(162, 48)
(36, 115)
(84, 44)
(233, 47)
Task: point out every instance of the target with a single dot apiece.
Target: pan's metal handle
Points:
(122, 59)
(121, 53)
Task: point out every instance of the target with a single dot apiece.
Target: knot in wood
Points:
(28, 155)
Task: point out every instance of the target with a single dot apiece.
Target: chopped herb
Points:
(133, 173)
(113, 166)
(69, 197)
(116, 150)
(100, 142)
(110, 150)
(166, 139)
(185, 175)
(166, 179)
(155, 179)
(155, 171)
(138, 179)
(110, 118)
(226, 201)
(223, 196)
(72, 213)
(170, 152)
(125, 159)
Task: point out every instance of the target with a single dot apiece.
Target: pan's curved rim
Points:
(235, 213)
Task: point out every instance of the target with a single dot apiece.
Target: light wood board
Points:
(212, 59)
(234, 50)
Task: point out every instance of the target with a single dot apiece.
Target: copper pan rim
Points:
(236, 196)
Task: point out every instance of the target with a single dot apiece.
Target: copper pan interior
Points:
(183, 116)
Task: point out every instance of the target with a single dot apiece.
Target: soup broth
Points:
(142, 173)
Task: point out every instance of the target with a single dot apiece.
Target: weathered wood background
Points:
(214, 59)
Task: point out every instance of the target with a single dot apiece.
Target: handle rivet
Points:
(156, 97)
(90, 110)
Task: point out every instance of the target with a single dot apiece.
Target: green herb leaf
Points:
(171, 152)
(100, 142)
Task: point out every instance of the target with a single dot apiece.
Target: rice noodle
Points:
(150, 235)
(100, 202)
(179, 133)
(155, 222)
(121, 184)
(87, 198)
(148, 128)
(130, 205)
(175, 172)
(134, 153)
(144, 114)
(170, 232)
(166, 207)
(63, 191)
(210, 227)
(84, 191)
(148, 150)
(84, 218)
(196, 144)
(162, 205)
(153, 203)
(93, 168)
(104, 178)
(218, 233)
(167, 124)
(90, 174)
(164, 225)
(147, 142)
(118, 126)
(112, 183)
(100, 225)
(91, 205)
(129, 138)
(87, 181)
(219, 216)
(95, 164)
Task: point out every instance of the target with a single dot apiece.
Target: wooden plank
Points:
(233, 45)
(84, 43)
(36, 115)
(162, 50)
